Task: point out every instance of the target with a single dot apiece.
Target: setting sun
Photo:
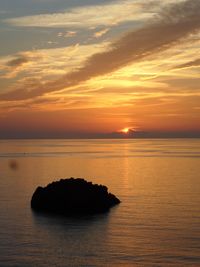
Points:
(125, 130)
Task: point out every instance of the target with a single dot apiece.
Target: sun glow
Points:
(125, 130)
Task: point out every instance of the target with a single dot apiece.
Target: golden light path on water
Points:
(156, 224)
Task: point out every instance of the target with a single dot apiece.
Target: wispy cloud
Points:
(11, 66)
(112, 13)
(18, 61)
(67, 34)
(171, 26)
(37, 68)
(47, 64)
(100, 33)
(190, 64)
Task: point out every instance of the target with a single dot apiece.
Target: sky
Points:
(73, 69)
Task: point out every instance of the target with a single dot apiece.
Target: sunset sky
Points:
(81, 68)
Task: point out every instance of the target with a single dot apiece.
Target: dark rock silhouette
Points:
(73, 196)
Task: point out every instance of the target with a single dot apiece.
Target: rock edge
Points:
(73, 196)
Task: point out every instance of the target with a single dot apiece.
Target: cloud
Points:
(18, 61)
(67, 34)
(11, 66)
(171, 26)
(46, 64)
(101, 33)
(112, 13)
(190, 64)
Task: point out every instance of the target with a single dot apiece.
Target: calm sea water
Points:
(157, 223)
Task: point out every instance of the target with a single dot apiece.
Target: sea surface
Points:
(156, 224)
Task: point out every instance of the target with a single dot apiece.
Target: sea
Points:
(157, 222)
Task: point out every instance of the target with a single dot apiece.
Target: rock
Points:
(73, 196)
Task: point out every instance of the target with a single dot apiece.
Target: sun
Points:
(128, 130)
(125, 130)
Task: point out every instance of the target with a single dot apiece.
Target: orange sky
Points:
(134, 65)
